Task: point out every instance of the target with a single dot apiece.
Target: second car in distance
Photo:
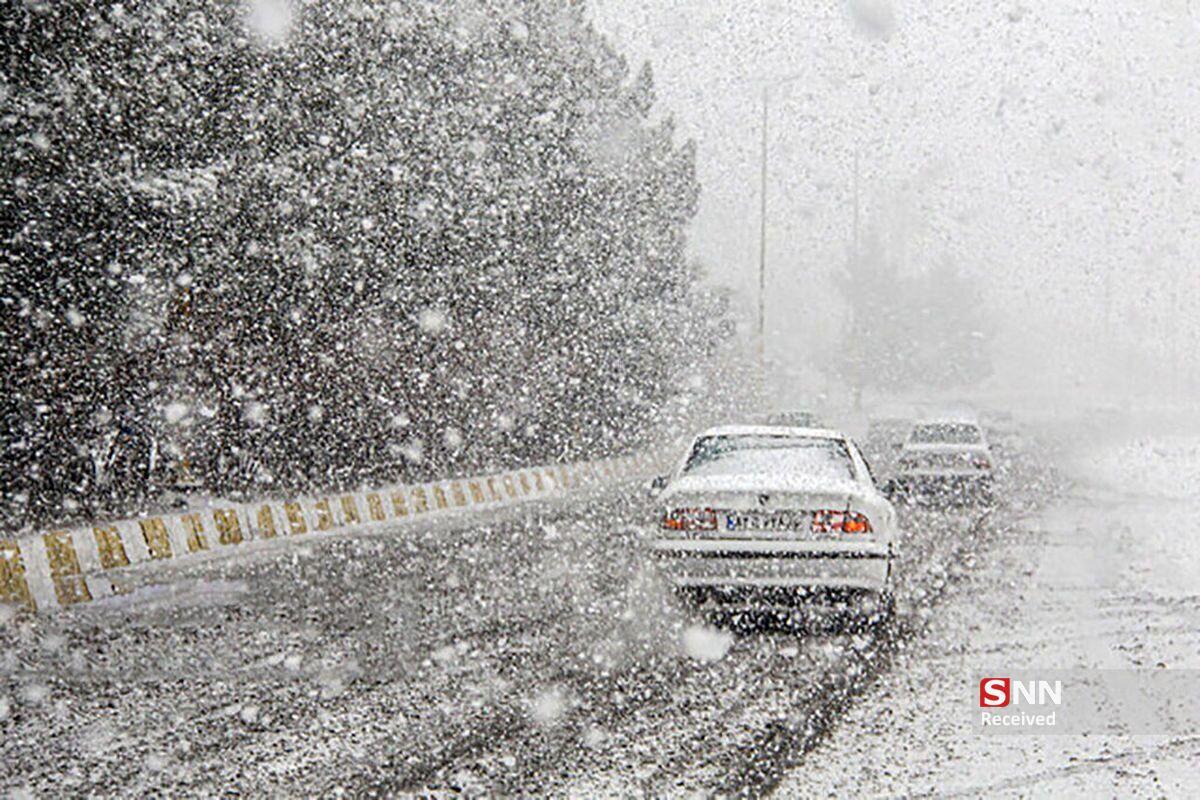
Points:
(945, 460)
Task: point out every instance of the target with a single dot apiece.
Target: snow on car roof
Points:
(771, 430)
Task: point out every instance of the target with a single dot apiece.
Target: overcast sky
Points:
(1048, 146)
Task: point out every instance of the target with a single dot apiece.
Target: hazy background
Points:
(1047, 148)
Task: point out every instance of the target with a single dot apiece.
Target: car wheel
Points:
(885, 608)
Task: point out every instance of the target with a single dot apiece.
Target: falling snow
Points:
(342, 252)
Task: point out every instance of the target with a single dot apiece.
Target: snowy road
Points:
(534, 654)
(1104, 579)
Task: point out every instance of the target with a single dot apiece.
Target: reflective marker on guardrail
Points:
(63, 568)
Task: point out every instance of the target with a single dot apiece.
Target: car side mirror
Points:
(656, 486)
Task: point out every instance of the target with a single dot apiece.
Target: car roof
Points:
(771, 430)
(961, 418)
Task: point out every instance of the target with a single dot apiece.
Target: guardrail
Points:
(62, 568)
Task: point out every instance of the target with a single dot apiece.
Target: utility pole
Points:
(856, 154)
(762, 241)
(858, 368)
(762, 211)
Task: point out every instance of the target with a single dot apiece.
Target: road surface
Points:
(1108, 577)
(531, 653)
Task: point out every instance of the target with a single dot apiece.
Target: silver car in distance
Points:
(764, 517)
(947, 461)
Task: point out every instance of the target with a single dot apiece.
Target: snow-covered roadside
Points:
(1105, 578)
(184, 583)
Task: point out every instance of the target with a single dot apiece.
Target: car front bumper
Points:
(783, 565)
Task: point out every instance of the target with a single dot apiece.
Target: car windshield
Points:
(946, 433)
(822, 459)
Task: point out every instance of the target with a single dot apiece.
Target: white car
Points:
(767, 516)
(945, 459)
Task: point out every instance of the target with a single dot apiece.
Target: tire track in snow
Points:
(734, 731)
(683, 709)
(731, 726)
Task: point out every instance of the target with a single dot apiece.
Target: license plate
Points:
(768, 521)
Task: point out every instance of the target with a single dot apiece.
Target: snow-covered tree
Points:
(353, 241)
